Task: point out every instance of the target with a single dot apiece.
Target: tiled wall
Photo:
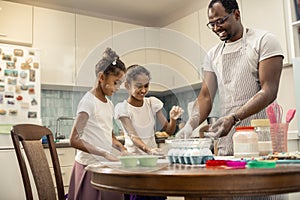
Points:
(63, 103)
(59, 103)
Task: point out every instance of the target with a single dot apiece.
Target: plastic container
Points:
(189, 151)
(245, 142)
(225, 164)
(207, 158)
(190, 143)
(261, 164)
(215, 164)
(196, 156)
(171, 155)
(176, 153)
(279, 134)
(262, 128)
(181, 155)
(187, 157)
(236, 164)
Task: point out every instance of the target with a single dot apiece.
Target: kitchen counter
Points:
(61, 144)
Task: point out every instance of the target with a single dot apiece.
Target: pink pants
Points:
(80, 187)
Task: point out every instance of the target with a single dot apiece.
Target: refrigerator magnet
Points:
(18, 52)
(13, 111)
(25, 105)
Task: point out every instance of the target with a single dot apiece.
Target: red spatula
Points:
(290, 115)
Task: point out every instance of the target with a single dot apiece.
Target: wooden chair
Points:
(30, 136)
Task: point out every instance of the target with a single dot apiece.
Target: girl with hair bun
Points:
(92, 134)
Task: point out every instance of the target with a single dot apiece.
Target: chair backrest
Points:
(30, 136)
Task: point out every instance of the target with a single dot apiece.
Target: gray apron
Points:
(238, 82)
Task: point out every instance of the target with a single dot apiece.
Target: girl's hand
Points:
(125, 153)
(110, 157)
(175, 112)
(155, 151)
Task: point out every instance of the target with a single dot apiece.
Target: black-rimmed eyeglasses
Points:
(218, 22)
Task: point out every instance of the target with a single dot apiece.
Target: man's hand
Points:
(221, 127)
(185, 132)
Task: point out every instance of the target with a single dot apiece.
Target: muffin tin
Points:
(190, 151)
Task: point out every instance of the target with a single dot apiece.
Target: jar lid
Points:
(242, 128)
(260, 122)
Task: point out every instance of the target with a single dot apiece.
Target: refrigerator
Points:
(20, 94)
(19, 85)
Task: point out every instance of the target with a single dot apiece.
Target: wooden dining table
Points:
(197, 182)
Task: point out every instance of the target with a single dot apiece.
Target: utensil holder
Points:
(279, 136)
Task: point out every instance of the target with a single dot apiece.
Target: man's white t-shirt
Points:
(262, 45)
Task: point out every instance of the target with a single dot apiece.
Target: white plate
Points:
(161, 163)
(224, 158)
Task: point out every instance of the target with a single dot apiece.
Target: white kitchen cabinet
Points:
(54, 35)
(128, 39)
(174, 64)
(207, 37)
(181, 60)
(293, 28)
(188, 26)
(90, 47)
(264, 16)
(15, 23)
(121, 37)
(177, 71)
(66, 158)
(9, 170)
(11, 183)
(91, 32)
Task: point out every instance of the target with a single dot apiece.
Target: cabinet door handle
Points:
(3, 35)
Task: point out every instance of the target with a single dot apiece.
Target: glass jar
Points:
(262, 128)
(245, 142)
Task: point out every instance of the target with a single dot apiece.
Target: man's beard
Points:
(228, 37)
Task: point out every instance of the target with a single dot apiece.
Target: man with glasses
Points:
(245, 68)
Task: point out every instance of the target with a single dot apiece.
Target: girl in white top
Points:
(92, 134)
(138, 113)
